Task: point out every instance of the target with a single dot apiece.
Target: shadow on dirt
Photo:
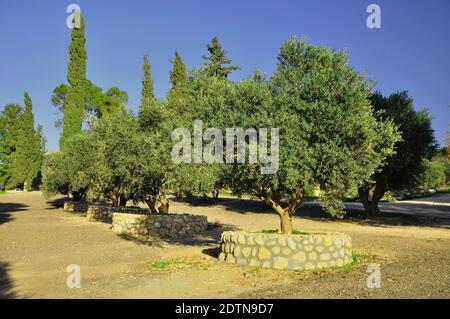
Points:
(397, 214)
(6, 283)
(211, 236)
(56, 203)
(6, 210)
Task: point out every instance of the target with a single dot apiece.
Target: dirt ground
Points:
(38, 241)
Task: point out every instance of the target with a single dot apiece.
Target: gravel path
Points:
(38, 241)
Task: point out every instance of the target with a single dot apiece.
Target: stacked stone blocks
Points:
(173, 226)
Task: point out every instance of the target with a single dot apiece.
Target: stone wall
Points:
(104, 212)
(293, 252)
(76, 207)
(142, 226)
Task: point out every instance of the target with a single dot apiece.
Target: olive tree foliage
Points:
(402, 170)
(203, 98)
(70, 172)
(156, 122)
(55, 178)
(118, 160)
(328, 135)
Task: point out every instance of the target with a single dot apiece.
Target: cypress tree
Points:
(217, 60)
(147, 95)
(27, 156)
(9, 129)
(178, 74)
(76, 75)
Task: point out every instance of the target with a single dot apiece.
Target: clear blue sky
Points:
(410, 52)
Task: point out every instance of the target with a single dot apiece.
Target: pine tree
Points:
(76, 75)
(147, 96)
(217, 60)
(27, 157)
(178, 75)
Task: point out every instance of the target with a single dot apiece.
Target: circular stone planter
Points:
(291, 252)
(144, 226)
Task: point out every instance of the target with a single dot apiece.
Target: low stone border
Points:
(75, 206)
(144, 226)
(293, 252)
(104, 213)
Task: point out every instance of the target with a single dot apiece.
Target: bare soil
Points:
(38, 241)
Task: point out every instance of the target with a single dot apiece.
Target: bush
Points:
(434, 174)
(55, 178)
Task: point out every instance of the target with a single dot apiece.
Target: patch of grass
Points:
(358, 259)
(161, 264)
(180, 264)
(294, 232)
(299, 232)
(2, 192)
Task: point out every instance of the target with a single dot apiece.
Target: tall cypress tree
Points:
(178, 74)
(10, 119)
(217, 60)
(147, 95)
(27, 157)
(76, 75)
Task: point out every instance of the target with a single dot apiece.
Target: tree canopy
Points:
(327, 133)
(403, 169)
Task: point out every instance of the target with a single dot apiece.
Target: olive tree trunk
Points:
(285, 214)
(370, 204)
(158, 204)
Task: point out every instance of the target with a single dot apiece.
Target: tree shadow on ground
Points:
(6, 283)
(211, 236)
(6, 210)
(385, 219)
(56, 203)
(393, 214)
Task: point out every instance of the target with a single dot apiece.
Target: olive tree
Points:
(70, 172)
(328, 135)
(204, 99)
(55, 178)
(402, 170)
(156, 122)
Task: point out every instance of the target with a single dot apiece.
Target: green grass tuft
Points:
(299, 232)
(161, 264)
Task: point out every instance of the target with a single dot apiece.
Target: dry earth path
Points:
(38, 241)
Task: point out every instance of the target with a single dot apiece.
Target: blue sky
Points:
(410, 52)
